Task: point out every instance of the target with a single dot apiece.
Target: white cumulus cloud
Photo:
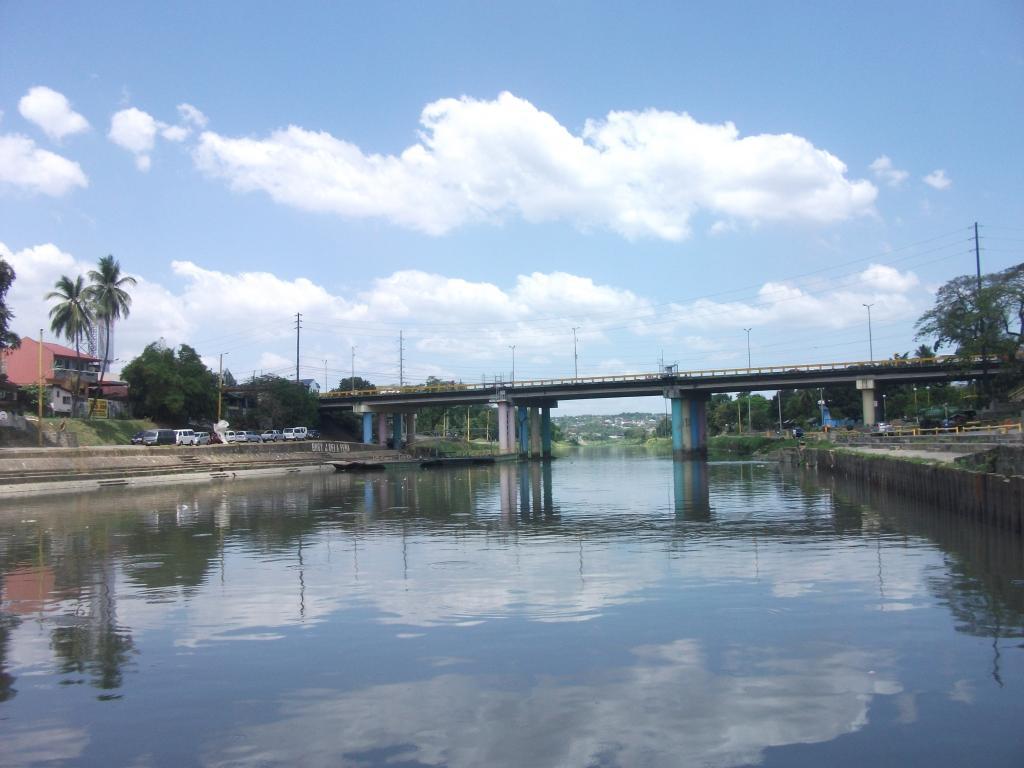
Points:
(192, 116)
(52, 112)
(938, 179)
(456, 328)
(25, 166)
(640, 174)
(884, 171)
(134, 130)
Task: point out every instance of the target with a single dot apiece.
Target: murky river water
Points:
(610, 610)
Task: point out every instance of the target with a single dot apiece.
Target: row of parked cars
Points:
(271, 435)
(191, 437)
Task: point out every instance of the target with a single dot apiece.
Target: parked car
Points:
(159, 437)
(295, 433)
(184, 437)
(272, 436)
(248, 437)
(313, 434)
(798, 432)
(138, 437)
(884, 428)
(231, 436)
(202, 438)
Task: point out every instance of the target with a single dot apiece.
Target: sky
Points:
(475, 177)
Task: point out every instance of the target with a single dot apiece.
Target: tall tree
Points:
(980, 319)
(72, 318)
(110, 302)
(8, 339)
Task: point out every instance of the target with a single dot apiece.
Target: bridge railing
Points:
(668, 378)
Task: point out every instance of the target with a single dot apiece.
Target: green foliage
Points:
(8, 339)
(71, 317)
(110, 301)
(28, 396)
(170, 387)
(348, 384)
(664, 428)
(981, 320)
(451, 421)
(284, 403)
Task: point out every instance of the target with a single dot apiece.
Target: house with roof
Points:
(61, 367)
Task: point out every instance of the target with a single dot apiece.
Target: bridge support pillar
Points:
(367, 427)
(410, 426)
(535, 432)
(506, 427)
(523, 425)
(382, 429)
(689, 424)
(396, 429)
(545, 432)
(867, 399)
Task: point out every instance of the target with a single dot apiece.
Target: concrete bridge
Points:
(524, 407)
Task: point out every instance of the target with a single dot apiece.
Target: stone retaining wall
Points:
(109, 459)
(998, 499)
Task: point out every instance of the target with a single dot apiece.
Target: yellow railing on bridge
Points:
(641, 377)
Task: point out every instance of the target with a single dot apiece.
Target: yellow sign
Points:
(101, 411)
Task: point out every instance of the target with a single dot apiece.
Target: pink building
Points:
(60, 367)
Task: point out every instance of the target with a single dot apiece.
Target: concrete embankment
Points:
(58, 470)
(990, 496)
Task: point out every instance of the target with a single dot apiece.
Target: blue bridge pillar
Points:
(367, 427)
(689, 423)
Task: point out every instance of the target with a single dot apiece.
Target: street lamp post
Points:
(575, 356)
(750, 422)
(871, 343)
(883, 407)
(352, 380)
(513, 348)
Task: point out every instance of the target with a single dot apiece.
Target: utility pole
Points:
(220, 385)
(401, 359)
(513, 348)
(871, 343)
(575, 356)
(298, 326)
(977, 255)
(977, 301)
(327, 386)
(750, 420)
(40, 422)
(467, 424)
(352, 381)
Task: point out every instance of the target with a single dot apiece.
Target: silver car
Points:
(272, 436)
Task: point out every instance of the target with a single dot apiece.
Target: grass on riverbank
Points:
(732, 445)
(100, 431)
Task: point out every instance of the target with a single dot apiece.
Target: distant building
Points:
(311, 384)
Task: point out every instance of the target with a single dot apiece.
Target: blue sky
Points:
(660, 176)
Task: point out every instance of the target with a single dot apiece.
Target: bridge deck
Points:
(923, 370)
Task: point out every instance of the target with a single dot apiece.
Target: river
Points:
(608, 609)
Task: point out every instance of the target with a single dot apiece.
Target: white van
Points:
(185, 437)
(295, 433)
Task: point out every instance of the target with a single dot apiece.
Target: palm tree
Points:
(110, 302)
(72, 318)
